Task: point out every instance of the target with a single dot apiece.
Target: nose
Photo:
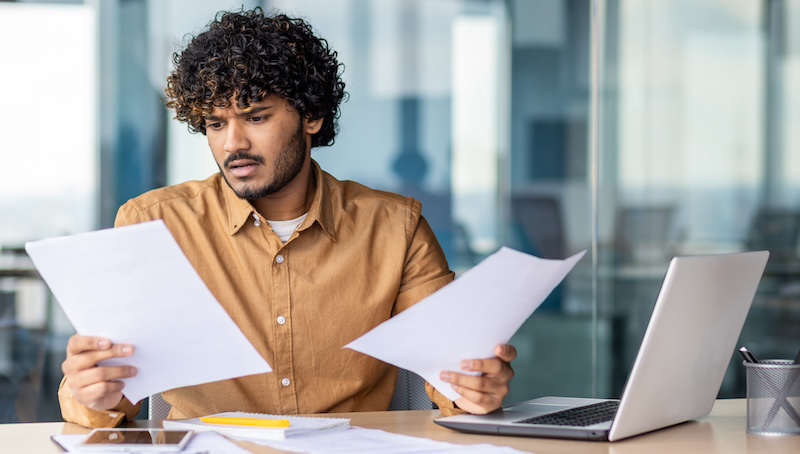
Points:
(236, 138)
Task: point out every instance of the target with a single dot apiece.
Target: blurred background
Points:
(636, 129)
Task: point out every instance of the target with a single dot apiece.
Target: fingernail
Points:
(103, 343)
(466, 365)
(132, 371)
(445, 376)
(127, 350)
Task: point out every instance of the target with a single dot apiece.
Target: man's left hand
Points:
(483, 393)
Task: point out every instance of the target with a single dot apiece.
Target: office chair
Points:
(776, 230)
(540, 221)
(645, 234)
(409, 394)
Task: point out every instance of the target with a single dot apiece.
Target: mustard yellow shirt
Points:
(360, 257)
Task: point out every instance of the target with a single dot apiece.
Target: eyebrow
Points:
(250, 111)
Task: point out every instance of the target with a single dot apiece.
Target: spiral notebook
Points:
(298, 425)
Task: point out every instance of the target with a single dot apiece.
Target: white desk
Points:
(723, 431)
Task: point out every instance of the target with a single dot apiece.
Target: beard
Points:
(288, 165)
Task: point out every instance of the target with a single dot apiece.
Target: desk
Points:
(723, 431)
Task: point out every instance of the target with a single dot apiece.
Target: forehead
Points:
(272, 102)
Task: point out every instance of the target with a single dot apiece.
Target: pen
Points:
(249, 422)
(747, 355)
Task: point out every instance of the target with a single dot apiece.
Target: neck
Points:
(292, 201)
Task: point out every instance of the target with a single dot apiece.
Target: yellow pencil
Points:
(249, 422)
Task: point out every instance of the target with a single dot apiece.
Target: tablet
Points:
(138, 440)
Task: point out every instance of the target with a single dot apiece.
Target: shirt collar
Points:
(240, 211)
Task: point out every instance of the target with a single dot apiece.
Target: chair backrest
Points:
(645, 233)
(541, 222)
(776, 230)
(158, 408)
(409, 394)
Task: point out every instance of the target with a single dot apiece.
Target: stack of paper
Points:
(298, 425)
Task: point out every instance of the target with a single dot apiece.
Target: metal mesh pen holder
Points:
(773, 397)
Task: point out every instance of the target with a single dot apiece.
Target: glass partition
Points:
(696, 159)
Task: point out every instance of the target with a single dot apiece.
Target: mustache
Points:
(240, 155)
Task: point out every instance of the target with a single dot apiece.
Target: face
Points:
(259, 150)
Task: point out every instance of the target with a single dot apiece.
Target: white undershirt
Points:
(284, 229)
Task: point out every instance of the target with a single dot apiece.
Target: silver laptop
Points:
(678, 371)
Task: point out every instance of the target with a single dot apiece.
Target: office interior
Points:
(634, 129)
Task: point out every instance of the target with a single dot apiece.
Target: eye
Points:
(214, 126)
(256, 119)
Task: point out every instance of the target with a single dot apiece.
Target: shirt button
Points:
(279, 259)
(285, 382)
(281, 320)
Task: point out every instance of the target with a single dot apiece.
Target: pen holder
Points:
(773, 397)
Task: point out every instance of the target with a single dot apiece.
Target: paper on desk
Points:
(467, 318)
(357, 439)
(200, 443)
(134, 285)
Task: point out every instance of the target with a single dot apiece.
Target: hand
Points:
(484, 393)
(94, 386)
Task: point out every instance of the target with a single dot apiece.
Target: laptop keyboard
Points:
(578, 416)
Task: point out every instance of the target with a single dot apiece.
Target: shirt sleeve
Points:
(426, 271)
(84, 416)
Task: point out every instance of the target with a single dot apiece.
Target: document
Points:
(357, 439)
(134, 285)
(204, 443)
(467, 318)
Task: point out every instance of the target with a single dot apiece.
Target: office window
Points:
(48, 186)
(482, 110)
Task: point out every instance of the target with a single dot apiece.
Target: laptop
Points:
(677, 374)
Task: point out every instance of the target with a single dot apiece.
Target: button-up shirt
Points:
(359, 257)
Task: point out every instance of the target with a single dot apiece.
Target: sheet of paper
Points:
(201, 443)
(467, 318)
(356, 439)
(134, 285)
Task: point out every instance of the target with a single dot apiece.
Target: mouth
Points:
(242, 168)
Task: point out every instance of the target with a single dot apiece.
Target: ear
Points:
(313, 126)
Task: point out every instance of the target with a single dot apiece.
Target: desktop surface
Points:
(723, 431)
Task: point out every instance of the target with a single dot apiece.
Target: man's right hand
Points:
(94, 386)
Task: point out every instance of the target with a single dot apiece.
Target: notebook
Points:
(298, 425)
(678, 371)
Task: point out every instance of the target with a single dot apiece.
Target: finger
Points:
(482, 384)
(95, 375)
(100, 395)
(477, 403)
(506, 352)
(88, 359)
(494, 367)
(78, 344)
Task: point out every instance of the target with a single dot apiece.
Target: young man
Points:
(302, 262)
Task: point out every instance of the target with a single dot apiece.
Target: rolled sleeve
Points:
(74, 412)
(446, 406)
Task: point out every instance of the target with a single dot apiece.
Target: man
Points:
(302, 262)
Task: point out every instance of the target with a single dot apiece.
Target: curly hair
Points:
(250, 56)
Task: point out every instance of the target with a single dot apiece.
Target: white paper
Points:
(134, 285)
(468, 318)
(356, 439)
(201, 443)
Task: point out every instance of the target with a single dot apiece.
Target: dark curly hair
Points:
(250, 55)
